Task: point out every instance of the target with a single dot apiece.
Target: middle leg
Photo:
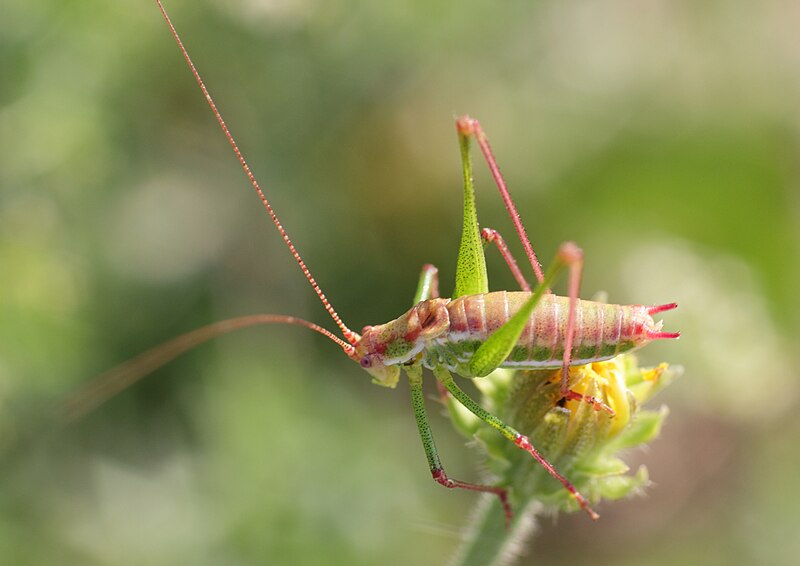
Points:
(492, 236)
(520, 440)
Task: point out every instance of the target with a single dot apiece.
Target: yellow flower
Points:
(580, 441)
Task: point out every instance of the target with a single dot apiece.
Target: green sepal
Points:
(551, 434)
(644, 427)
(644, 389)
(464, 422)
(604, 466)
(617, 487)
(495, 446)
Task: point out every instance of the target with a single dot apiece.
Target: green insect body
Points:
(471, 334)
(449, 333)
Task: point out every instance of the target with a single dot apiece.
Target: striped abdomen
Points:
(601, 330)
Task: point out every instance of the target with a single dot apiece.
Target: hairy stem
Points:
(489, 542)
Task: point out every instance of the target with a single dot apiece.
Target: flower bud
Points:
(580, 441)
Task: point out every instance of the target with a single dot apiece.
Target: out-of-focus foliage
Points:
(663, 138)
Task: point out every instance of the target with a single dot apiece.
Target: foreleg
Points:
(432, 454)
(428, 286)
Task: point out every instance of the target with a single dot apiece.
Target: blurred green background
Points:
(661, 136)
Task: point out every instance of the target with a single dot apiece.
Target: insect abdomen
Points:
(601, 330)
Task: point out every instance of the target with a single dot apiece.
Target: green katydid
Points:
(471, 334)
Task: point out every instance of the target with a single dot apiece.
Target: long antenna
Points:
(348, 334)
(104, 387)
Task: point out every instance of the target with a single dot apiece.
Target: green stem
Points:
(489, 542)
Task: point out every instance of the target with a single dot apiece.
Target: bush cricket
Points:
(471, 334)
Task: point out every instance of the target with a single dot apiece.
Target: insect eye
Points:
(366, 362)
